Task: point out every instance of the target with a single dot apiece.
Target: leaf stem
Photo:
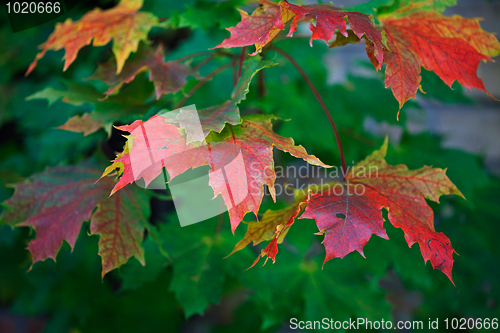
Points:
(207, 53)
(235, 74)
(200, 83)
(320, 100)
(261, 84)
(203, 62)
(194, 55)
(240, 65)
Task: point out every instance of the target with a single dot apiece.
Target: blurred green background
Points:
(194, 289)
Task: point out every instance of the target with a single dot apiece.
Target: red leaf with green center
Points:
(168, 77)
(349, 214)
(452, 47)
(123, 24)
(269, 19)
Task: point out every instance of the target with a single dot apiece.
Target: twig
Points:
(203, 62)
(194, 55)
(240, 65)
(200, 84)
(320, 100)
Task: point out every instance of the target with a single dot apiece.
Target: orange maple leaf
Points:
(123, 23)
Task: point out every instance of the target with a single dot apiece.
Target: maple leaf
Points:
(341, 40)
(168, 77)
(273, 226)
(347, 220)
(452, 47)
(270, 18)
(166, 127)
(105, 111)
(250, 68)
(198, 269)
(120, 221)
(253, 140)
(350, 213)
(145, 155)
(215, 117)
(265, 228)
(329, 19)
(260, 27)
(242, 153)
(85, 124)
(58, 200)
(407, 7)
(55, 202)
(123, 24)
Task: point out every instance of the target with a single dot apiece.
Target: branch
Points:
(240, 65)
(320, 100)
(194, 55)
(200, 84)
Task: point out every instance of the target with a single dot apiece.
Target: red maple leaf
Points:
(452, 47)
(152, 145)
(254, 138)
(329, 19)
(350, 213)
(269, 19)
(259, 28)
(58, 200)
(347, 220)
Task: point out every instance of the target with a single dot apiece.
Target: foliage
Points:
(155, 59)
